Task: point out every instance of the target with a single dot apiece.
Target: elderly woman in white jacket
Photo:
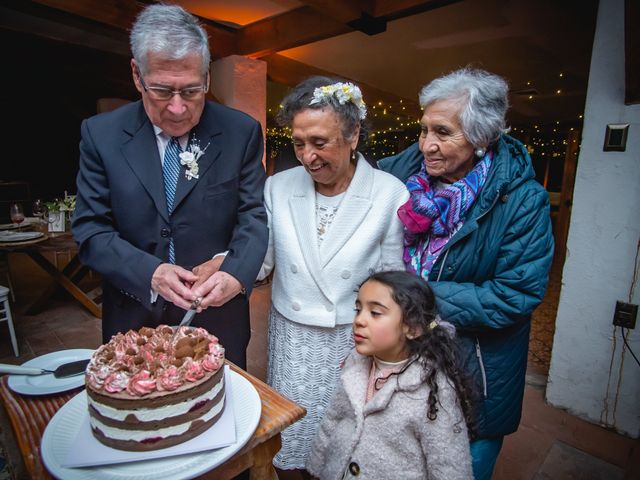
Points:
(332, 222)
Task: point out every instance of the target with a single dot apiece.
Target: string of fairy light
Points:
(395, 126)
(545, 141)
(558, 90)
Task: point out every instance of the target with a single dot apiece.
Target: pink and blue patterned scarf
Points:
(432, 215)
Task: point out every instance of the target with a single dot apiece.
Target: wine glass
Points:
(16, 213)
(39, 210)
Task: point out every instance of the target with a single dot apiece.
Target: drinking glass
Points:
(39, 210)
(16, 213)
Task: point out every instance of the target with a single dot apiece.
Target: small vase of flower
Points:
(60, 211)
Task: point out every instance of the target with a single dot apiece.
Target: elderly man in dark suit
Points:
(166, 184)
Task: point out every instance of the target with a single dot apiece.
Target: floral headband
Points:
(343, 92)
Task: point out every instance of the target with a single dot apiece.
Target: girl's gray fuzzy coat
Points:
(390, 436)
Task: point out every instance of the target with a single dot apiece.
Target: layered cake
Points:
(151, 389)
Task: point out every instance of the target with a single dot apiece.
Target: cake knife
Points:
(62, 371)
(186, 320)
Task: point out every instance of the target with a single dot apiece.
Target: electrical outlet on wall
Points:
(625, 315)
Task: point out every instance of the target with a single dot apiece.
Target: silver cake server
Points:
(186, 320)
(62, 371)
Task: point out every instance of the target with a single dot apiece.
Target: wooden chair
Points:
(5, 316)
(6, 273)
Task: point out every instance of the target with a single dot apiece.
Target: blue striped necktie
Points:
(170, 173)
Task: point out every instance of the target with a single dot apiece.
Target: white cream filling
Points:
(152, 414)
(140, 435)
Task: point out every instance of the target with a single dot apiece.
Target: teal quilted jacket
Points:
(490, 277)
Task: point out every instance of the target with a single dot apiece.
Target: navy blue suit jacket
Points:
(122, 226)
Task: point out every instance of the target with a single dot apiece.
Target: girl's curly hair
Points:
(435, 346)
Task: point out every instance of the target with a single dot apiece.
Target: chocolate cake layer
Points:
(132, 423)
(157, 399)
(196, 428)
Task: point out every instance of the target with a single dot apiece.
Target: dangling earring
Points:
(353, 156)
(480, 151)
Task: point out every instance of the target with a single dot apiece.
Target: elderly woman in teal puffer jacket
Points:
(477, 226)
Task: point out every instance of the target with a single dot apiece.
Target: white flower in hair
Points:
(343, 92)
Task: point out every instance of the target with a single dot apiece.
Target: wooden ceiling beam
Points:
(121, 15)
(340, 10)
(286, 71)
(322, 19)
(114, 13)
(317, 20)
(396, 9)
(349, 11)
(288, 30)
(44, 22)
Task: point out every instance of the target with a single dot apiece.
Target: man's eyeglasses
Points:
(164, 93)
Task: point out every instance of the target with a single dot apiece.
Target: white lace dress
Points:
(304, 362)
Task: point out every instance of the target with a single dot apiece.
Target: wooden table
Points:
(67, 278)
(29, 415)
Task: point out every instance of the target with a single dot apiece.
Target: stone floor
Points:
(544, 322)
(550, 444)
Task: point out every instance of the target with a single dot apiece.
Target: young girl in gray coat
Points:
(401, 407)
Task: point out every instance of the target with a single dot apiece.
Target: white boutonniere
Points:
(190, 158)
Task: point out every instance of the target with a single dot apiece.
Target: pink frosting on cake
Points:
(194, 371)
(141, 384)
(115, 382)
(169, 379)
(150, 360)
(211, 363)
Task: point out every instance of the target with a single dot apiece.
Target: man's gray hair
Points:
(483, 102)
(171, 32)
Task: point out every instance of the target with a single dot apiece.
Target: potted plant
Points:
(58, 217)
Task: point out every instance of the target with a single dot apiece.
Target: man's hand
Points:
(206, 269)
(217, 290)
(172, 282)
